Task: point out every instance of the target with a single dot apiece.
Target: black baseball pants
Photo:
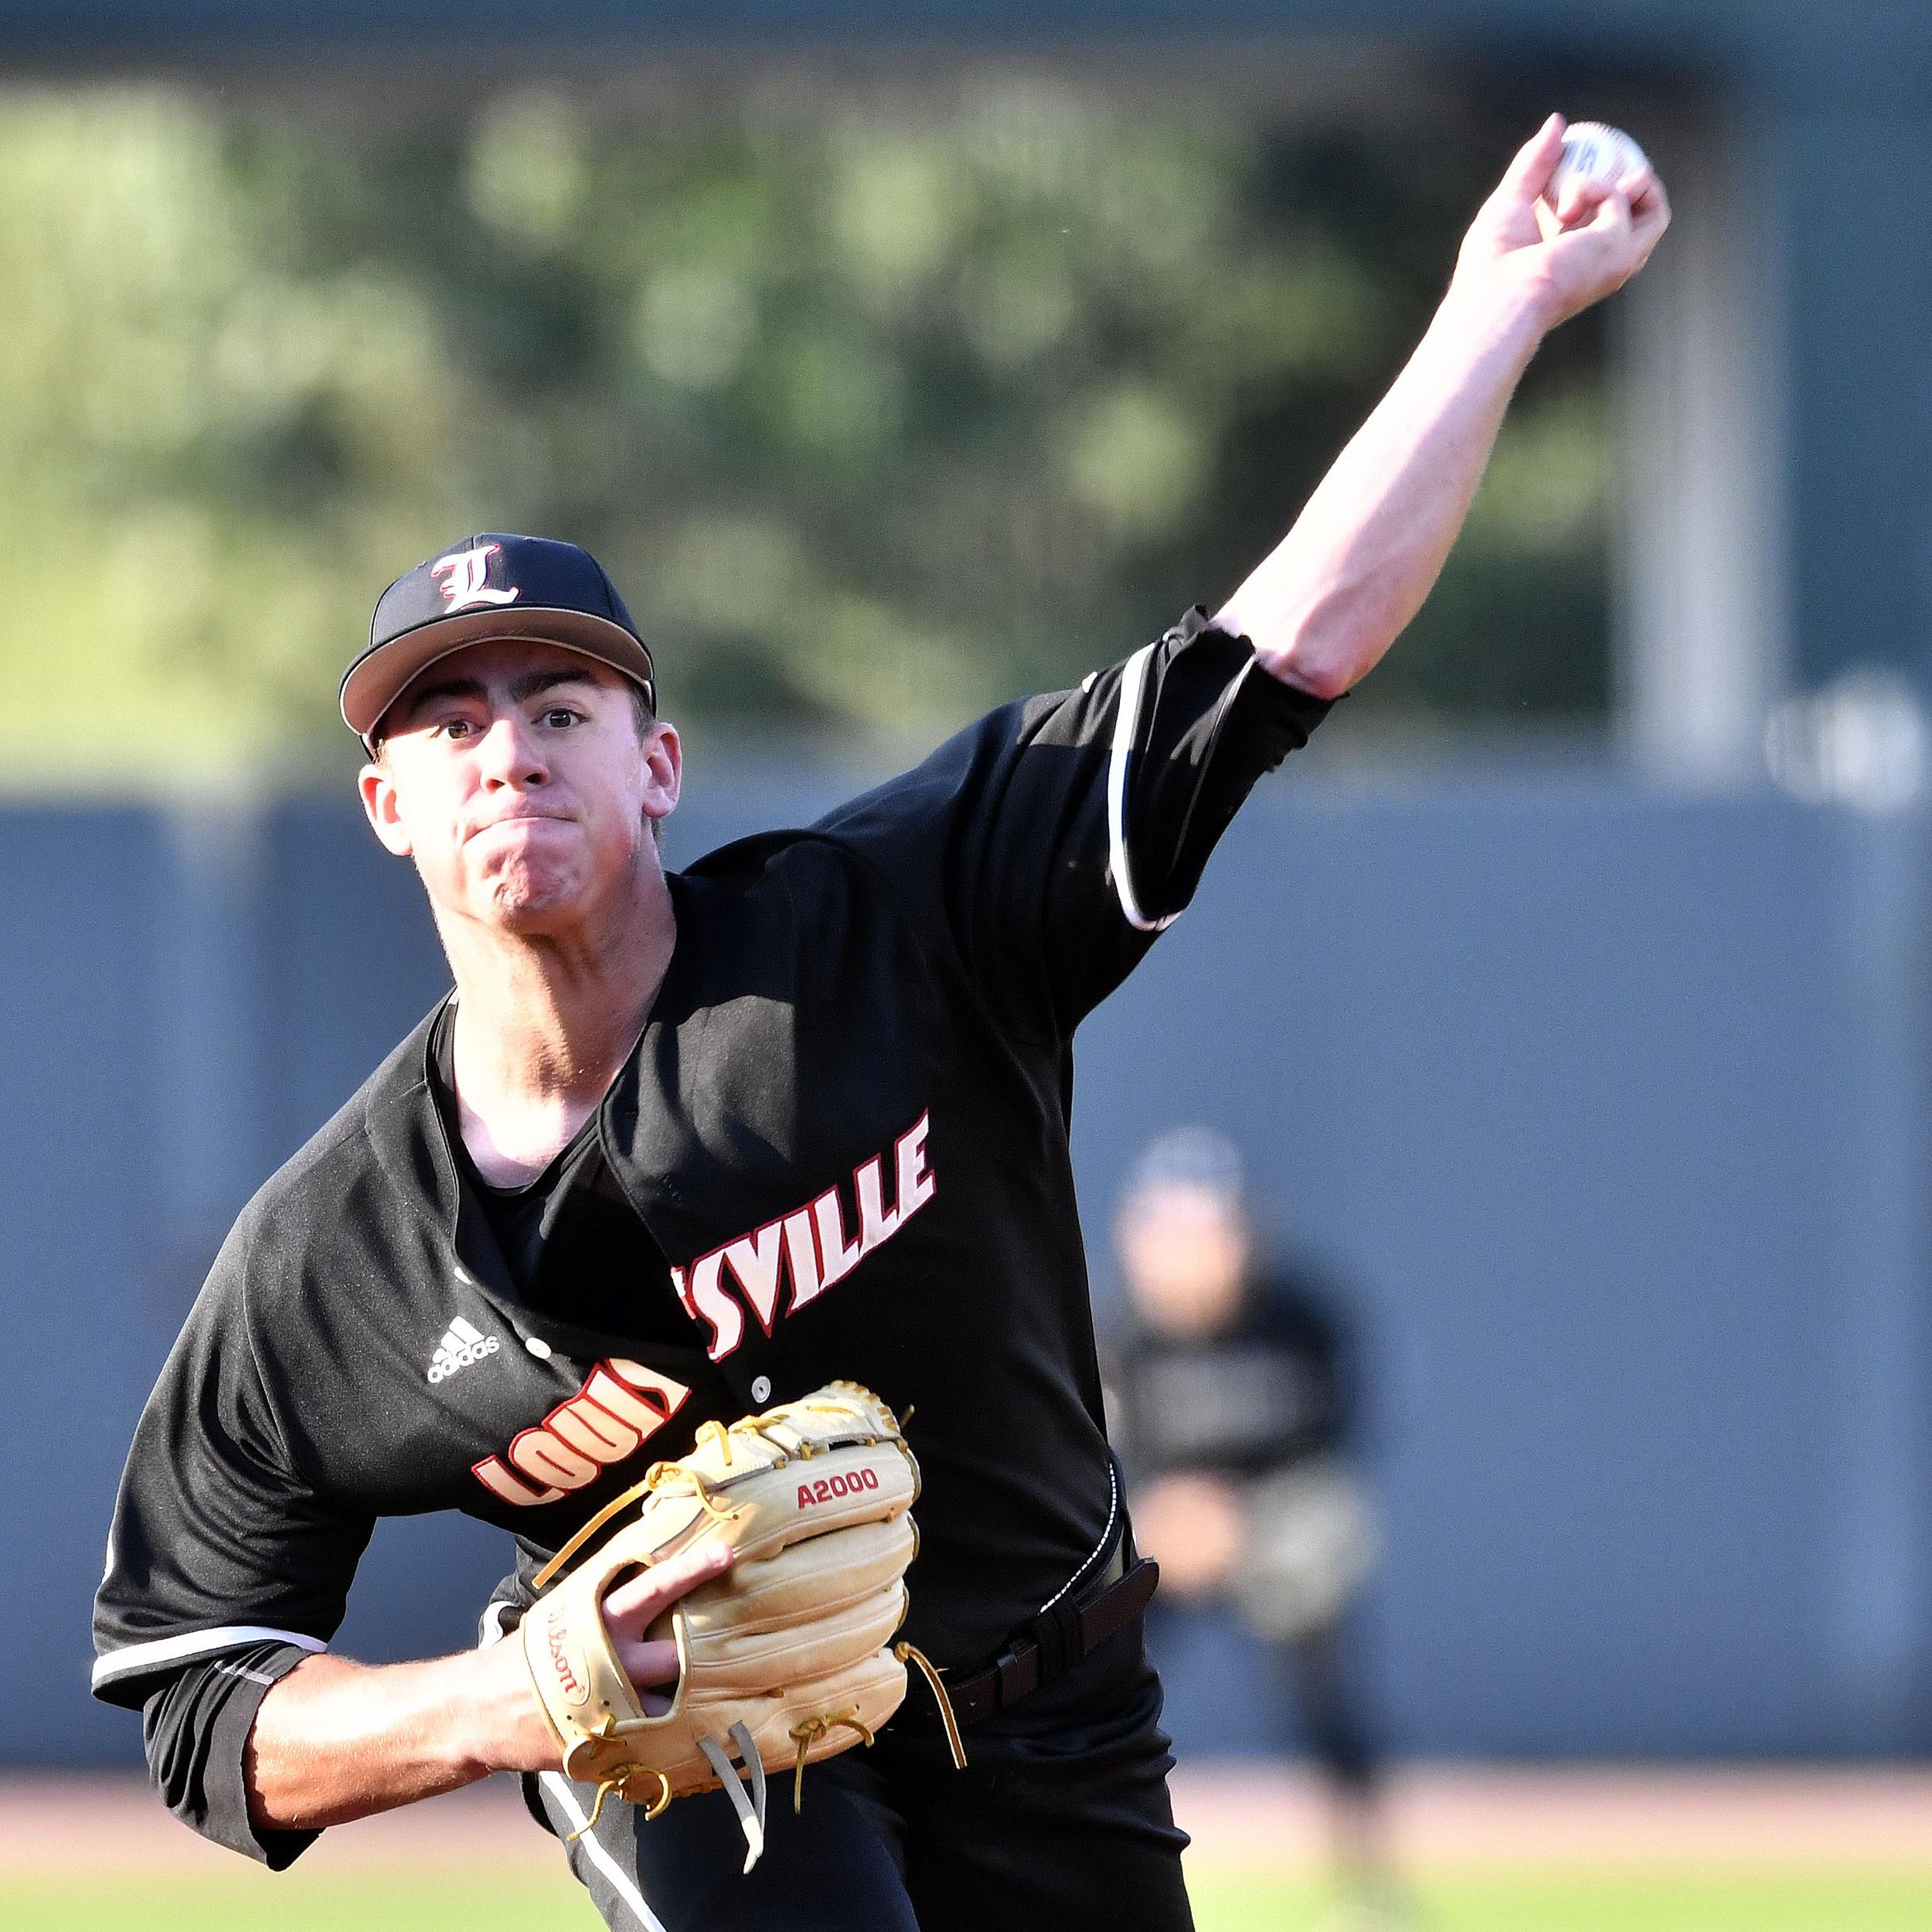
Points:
(1060, 1819)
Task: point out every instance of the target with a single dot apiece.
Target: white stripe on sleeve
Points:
(133, 1659)
(1127, 718)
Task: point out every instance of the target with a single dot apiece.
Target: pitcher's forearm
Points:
(335, 1740)
(1339, 588)
(1325, 605)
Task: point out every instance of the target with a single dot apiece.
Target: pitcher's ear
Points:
(375, 785)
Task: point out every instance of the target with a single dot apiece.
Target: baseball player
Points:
(1231, 1399)
(680, 1145)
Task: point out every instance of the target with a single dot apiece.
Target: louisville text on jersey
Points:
(621, 1406)
(623, 1403)
(809, 1248)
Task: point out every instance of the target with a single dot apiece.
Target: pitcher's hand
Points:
(1611, 228)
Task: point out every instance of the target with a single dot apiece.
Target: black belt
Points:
(1056, 1640)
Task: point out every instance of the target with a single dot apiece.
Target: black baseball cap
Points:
(492, 586)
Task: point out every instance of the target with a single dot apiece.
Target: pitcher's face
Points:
(520, 778)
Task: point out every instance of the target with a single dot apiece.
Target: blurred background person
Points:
(1232, 1398)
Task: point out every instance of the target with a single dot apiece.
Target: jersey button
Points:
(761, 1388)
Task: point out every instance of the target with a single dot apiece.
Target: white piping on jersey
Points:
(1127, 718)
(1088, 1561)
(135, 1658)
(494, 1625)
(620, 1880)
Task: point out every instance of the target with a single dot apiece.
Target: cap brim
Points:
(381, 674)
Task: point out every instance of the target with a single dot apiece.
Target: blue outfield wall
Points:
(1611, 1105)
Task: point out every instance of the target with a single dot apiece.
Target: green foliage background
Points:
(879, 408)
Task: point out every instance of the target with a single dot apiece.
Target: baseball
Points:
(1592, 151)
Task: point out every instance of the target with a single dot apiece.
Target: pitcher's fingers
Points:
(1606, 230)
(649, 1660)
(1582, 195)
(1643, 190)
(1649, 205)
(1612, 219)
(640, 1598)
(1534, 163)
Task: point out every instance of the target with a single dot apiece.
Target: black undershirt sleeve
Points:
(195, 1725)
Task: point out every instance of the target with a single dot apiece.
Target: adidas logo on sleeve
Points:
(464, 1343)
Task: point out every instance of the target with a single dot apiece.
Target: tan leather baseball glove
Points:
(787, 1658)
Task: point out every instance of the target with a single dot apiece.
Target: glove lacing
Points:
(911, 1653)
(658, 1477)
(808, 1731)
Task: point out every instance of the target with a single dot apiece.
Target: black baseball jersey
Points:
(843, 1135)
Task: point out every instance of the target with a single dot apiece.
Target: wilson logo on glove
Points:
(569, 1681)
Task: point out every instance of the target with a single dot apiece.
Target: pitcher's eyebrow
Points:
(442, 688)
(526, 687)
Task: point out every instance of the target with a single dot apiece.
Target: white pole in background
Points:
(1699, 599)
